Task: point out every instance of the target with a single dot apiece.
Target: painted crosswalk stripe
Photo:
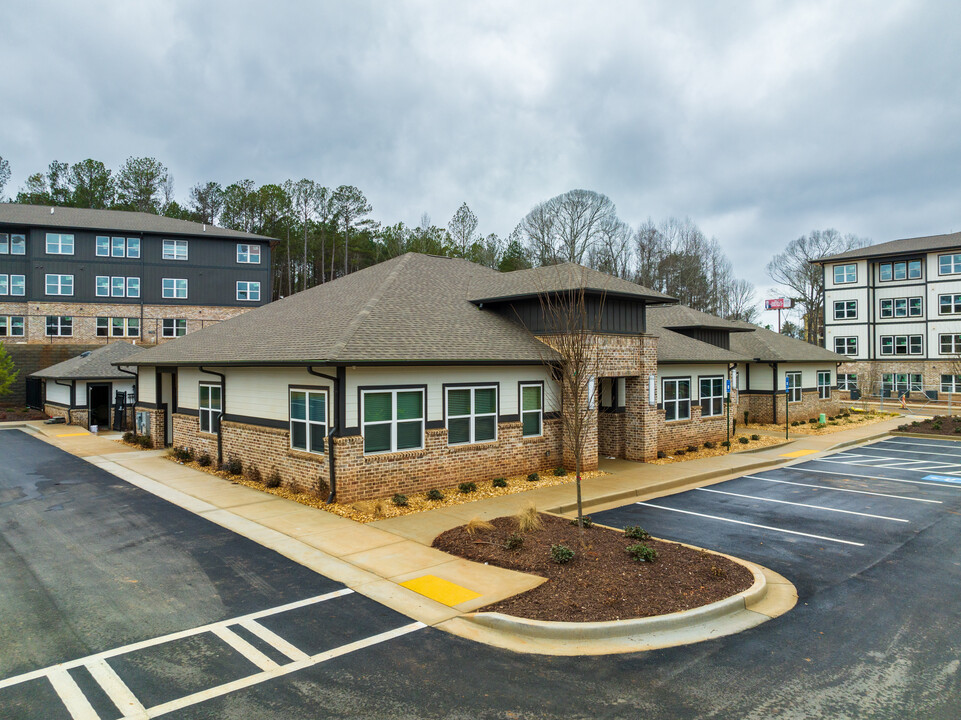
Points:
(847, 490)
(71, 695)
(274, 640)
(762, 527)
(813, 507)
(244, 648)
(116, 689)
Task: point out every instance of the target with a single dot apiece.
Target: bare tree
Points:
(462, 229)
(4, 175)
(566, 227)
(611, 253)
(742, 303)
(304, 196)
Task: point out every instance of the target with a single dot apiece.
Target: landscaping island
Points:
(937, 425)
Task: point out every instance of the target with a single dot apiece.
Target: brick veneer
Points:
(155, 419)
(680, 434)
(760, 408)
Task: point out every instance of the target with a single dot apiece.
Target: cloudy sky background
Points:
(761, 121)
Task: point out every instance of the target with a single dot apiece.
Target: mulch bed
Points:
(938, 425)
(13, 414)
(602, 582)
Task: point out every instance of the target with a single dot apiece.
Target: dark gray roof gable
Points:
(898, 247)
(99, 364)
(67, 218)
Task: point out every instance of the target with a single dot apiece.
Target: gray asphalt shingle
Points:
(95, 365)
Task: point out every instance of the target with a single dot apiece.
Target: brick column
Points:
(641, 421)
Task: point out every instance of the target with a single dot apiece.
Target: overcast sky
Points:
(761, 121)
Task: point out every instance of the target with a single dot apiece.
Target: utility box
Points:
(823, 419)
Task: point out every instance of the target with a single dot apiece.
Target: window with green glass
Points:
(471, 415)
(308, 420)
(532, 409)
(209, 407)
(393, 420)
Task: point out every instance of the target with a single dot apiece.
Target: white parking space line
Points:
(251, 680)
(116, 689)
(891, 463)
(763, 527)
(924, 467)
(274, 640)
(71, 695)
(939, 446)
(875, 477)
(936, 451)
(847, 490)
(244, 648)
(813, 507)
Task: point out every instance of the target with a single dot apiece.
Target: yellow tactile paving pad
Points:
(798, 453)
(73, 434)
(443, 591)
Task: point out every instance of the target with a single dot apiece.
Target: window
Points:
(949, 264)
(900, 382)
(824, 384)
(846, 345)
(901, 345)
(950, 344)
(248, 290)
(847, 381)
(4, 244)
(676, 395)
(11, 326)
(118, 327)
(949, 304)
(900, 271)
(951, 383)
(117, 286)
(59, 284)
(393, 420)
(209, 408)
(173, 327)
(532, 410)
(914, 307)
(59, 326)
(108, 286)
(914, 270)
(59, 244)
(793, 386)
(18, 244)
(471, 415)
(12, 284)
(248, 254)
(175, 288)
(712, 396)
(175, 250)
(117, 246)
(845, 309)
(133, 247)
(308, 420)
(133, 287)
(845, 274)
(901, 307)
(103, 246)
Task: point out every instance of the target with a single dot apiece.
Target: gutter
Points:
(220, 418)
(335, 427)
(136, 377)
(774, 394)
(73, 389)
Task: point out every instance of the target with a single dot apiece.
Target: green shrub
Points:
(678, 452)
(129, 437)
(743, 440)
(183, 454)
(274, 480)
(710, 445)
(561, 554)
(812, 421)
(399, 500)
(499, 482)
(726, 443)
(513, 542)
(253, 475)
(642, 553)
(232, 466)
(435, 494)
(560, 472)
(533, 477)
(585, 519)
(692, 448)
(203, 460)
(661, 454)
(467, 487)
(820, 425)
(144, 441)
(755, 437)
(636, 532)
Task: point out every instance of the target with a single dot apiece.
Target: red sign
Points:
(778, 304)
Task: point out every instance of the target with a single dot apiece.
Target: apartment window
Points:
(4, 244)
(210, 407)
(846, 345)
(117, 286)
(951, 383)
(902, 307)
(248, 254)
(950, 344)
(248, 290)
(393, 420)
(471, 415)
(12, 284)
(175, 288)
(901, 382)
(118, 246)
(308, 420)
(59, 284)
(712, 396)
(793, 386)
(845, 274)
(18, 244)
(949, 304)
(532, 410)
(133, 287)
(133, 247)
(824, 384)
(118, 327)
(845, 309)
(901, 345)
(103, 246)
(59, 326)
(11, 326)
(949, 264)
(59, 244)
(676, 394)
(903, 270)
(914, 307)
(847, 381)
(108, 286)
(173, 327)
(175, 250)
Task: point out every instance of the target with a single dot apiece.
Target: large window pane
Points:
(531, 397)
(458, 430)
(318, 433)
(532, 423)
(410, 405)
(458, 402)
(485, 428)
(408, 435)
(298, 435)
(485, 400)
(298, 405)
(377, 408)
(318, 407)
(376, 438)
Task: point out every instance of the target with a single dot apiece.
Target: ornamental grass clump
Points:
(528, 519)
(476, 525)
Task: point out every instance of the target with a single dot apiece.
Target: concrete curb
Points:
(859, 441)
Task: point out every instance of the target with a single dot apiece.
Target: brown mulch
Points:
(684, 454)
(833, 426)
(15, 414)
(938, 425)
(602, 582)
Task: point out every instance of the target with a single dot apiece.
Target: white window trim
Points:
(473, 415)
(849, 382)
(60, 237)
(844, 274)
(701, 397)
(60, 318)
(60, 293)
(794, 389)
(175, 252)
(98, 248)
(307, 422)
(174, 296)
(843, 340)
(678, 402)
(8, 326)
(824, 386)
(251, 249)
(842, 305)
(249, 284)
(393, 421)
(955, 343)
(209, 410)
(18, 247)
(135, 241)
(953, 303)
(953, 271)
(952, 387)
(521, 412)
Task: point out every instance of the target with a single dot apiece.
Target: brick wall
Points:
(811, 406)
(641, 425)
(679, 434)
(154, 425)
(610, 433)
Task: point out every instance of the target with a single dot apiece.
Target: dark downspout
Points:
(72, 393)
(220, 419)
(774, 394)
(136, 377)
(336, 425)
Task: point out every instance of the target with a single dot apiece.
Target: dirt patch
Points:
(15, 414)
(834, 424)
(702, 451)
(603, 581)
(938, 425)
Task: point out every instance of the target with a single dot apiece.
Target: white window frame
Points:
(845, 309)
(118, 247)
(174, 249)
(133, 287)
(952, 385)
(824, 384)
(951, 261)
(102, 245)
(901, 382)
(4, 244)
(794, 390)
(954, 303)
(847, 381)
(174, 327)
(109, 326)
(908, 342)
(952, 341)
(539, 411)
(11, 284)
(711, 397)
(60, 324)
(473, 414)
(133, 247)
(307, 422)
(846, 343)
(173, 292)
(248, 252)
(8, 325)
(393, 420)
(678, 403)
(841, 271)
(248, 288)
(59, 284)
(209, 412)
(18, 244)
(57, 244)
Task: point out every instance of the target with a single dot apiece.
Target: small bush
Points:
(560, 472)
(467, 487)
(642, 553)
(435, 494)
(204, 460)
(820, 425)
(399, 500)
(692, 448)
(795, 423)
(529, 519)
(499, 482)
(678, 452)
(661, 454)
(274, 480)
(182, 454)
(726, 443)
(717, 572)
(232, 466)
(253, 475)
(812, 421)
(561, 554)
(710, 445)
(144, 441)
(585, 519)
(533, 477)
(743, 440)
(755, 437)
(476, 525)
(513, 542)
(636, 532)
(129, 437)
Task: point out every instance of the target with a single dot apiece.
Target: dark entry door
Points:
(99, 402)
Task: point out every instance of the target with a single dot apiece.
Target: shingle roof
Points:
(413, 308)
(898, 247)
(681, 316)
(673, 347)
(111, 220)
(558, 278)
(95, 365)
(769, 346)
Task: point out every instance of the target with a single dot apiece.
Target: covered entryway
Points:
(98, 401)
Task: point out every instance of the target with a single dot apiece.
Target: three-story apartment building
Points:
(894, 309)
(72, 275)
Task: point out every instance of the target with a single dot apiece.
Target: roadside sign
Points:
(779, 304)
(787, 384)
(728, 387)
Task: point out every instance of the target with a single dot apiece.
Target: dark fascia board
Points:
(84, 379)
(724, 328)
(892, 254)
(328, 363)
(274, 242)
(649, 300)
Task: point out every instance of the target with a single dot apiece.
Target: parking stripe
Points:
(116, 689)
(274, 640)
(889, 465)
(943, 446)
(875, 477)
(244, 648)
(72, 696)
(919, 452)
(814, 507)
(847, 490)
(742, 522)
